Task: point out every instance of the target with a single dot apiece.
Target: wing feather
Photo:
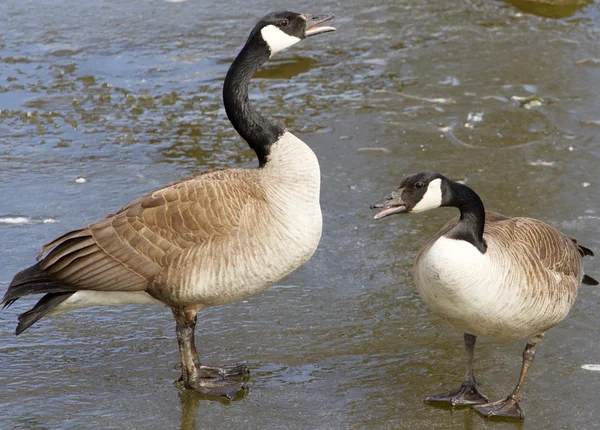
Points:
(128, 249)
(551, 255)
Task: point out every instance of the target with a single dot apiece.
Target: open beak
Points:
(390, 205)
(313, 22)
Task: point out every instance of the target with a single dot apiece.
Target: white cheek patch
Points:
(277, 39)
(432, 198)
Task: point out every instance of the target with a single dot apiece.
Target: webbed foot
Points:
(231, 371)
(466, 394)
(216, 387)
(509, 408)
(217, 381)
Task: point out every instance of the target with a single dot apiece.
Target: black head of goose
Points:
(488, 274)
(273, 33)
(213, 238)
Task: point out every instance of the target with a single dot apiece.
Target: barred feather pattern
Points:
(524, 284)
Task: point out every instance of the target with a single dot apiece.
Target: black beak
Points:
(379, 204)
(392, 204)
(313, 21)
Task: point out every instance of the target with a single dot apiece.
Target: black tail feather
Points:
(582, 249)
(32, 280)
(587, 280)
(41, 309)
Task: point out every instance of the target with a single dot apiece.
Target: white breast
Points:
(483, 294)
(292, 178)
(275, 242)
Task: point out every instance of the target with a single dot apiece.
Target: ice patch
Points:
(376, 61)
(543, 163)
(374, 149)
(588, 61)
(473, 118)
(27, 220)
(14, 220)
(592, 367)
(528, 102)
(497, 98)
(450, 80)
(591, 122)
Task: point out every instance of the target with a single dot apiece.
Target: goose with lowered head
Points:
(209, 239)
(489, 275)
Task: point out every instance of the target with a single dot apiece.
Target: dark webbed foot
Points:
(466, 394)
(509, 408)
(216, 387)
(231, 371)
(218, 381)
(211, 381)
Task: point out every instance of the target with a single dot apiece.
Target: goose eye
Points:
(419, 185)
(284, 22)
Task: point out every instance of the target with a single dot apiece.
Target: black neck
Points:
(472, 216)
(258, 131)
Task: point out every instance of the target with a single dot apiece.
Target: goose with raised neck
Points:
(213, 238)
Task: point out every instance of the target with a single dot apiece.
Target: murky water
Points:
(127, 96)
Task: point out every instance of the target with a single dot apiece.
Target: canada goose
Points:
(489, 275)
(209, 239)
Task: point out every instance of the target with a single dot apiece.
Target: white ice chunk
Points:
(14, 220)
(473, 118)
(374, 149)
(543, 163)
(593, 367)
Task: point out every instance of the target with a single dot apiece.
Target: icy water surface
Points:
(102, 101)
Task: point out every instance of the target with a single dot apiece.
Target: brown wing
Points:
(551, 254)
(125, 251)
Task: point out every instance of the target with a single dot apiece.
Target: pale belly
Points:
(463, 287)
(228, 272)
(87, 298)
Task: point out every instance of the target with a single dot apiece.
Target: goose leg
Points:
(467, 393)
(510, 407)
(208, 380)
